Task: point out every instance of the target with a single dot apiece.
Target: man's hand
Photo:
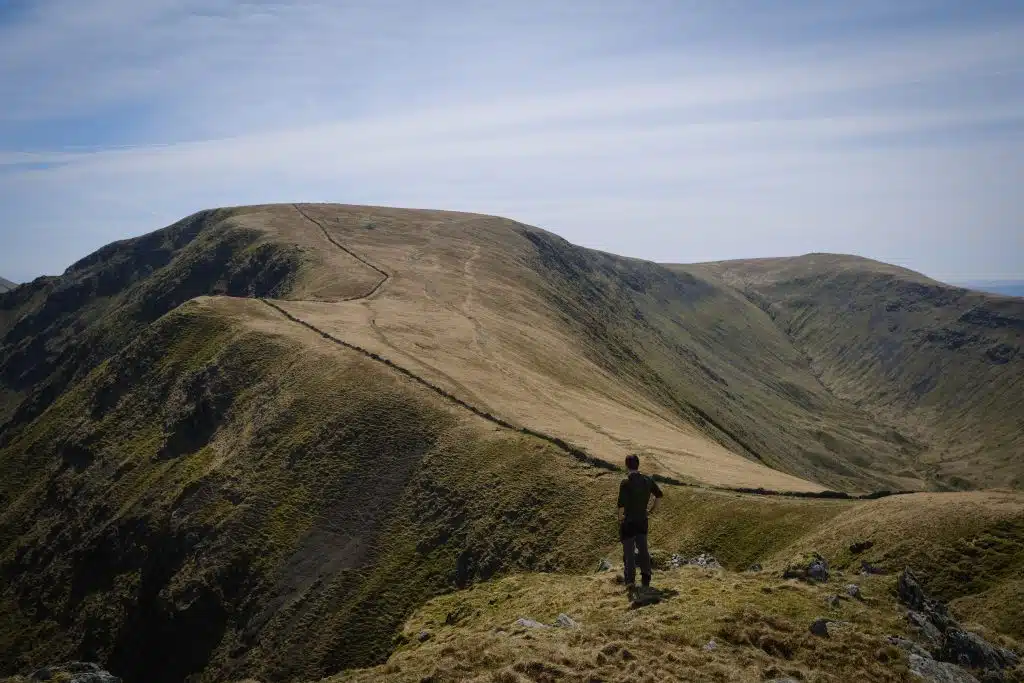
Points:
(622, 515)
(654, 506)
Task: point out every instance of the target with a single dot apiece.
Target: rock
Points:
(861, 546)
(530, 623)
(711, 646)
(565, 621)
(932, 671)
(704, 561)
(853, 590)
(604, 566)
(868, 568)
(833, 601)
(812, 567)
(971, 650)
(756, 567)
(75, 672)
(908, 646)
(910, 592)
(423, 636)
(820, 627)
(923, 626)
(643, 598)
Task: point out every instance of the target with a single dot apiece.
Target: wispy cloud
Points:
(677, 131)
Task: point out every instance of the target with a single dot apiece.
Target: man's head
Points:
(632, 463)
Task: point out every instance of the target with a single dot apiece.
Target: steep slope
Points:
(612, 354)
(222, 487)
(6, 285)
(940, 364)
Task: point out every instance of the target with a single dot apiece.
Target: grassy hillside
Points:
(941, 365)
(257, 442)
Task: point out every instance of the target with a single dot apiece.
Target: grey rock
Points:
(971, 650)
(423, 636)
(861, 546)
(814, 569)
(818, 570)
(704, 561)
(76, 672)
(910, 592)
(711, 646)
(853, 590)
(604, 566)
(756, 567)
(833, 601)
(530, 623)
(565, 621)
(908, 646)
(820, 627)
(938, 672)
(923, 626)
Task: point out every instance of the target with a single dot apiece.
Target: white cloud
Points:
(734, 135)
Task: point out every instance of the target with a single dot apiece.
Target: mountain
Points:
(937, 364)
(1005, 287)
(6, 285)
(257, 442)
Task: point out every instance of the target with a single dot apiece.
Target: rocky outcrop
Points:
(946, 642)
(74, 672)
(811, 568)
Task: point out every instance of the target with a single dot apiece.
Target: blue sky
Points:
(669, 130)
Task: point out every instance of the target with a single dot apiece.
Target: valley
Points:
(266, 442)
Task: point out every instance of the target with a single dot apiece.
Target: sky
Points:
(676, 131)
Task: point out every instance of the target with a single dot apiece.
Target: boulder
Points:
(565, 621)
(853, 590)
(811, 567)
(756, 567)
(925, 629)
(605, 565)
(833, 601)
(704, 561)
(530, 623)
(75, 672)
(927, 669)
(971, 650)
(910, 592)
(908, 646)
(861, 546)
(820, 627)
(710, 646)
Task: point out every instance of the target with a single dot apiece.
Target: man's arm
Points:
(656, 494)
(622, 502)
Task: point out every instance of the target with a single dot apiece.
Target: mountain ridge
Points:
(254, 443)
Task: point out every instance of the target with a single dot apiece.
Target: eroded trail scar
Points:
(384, 276)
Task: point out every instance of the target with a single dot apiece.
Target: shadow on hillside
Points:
(643, 597)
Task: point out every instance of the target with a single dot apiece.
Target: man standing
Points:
(635, 493)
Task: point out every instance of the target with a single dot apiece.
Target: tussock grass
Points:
(759, 627)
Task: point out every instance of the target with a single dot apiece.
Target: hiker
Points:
(635, 493)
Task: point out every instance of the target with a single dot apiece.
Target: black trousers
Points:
(634, 548)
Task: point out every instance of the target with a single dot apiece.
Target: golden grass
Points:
(759, 626)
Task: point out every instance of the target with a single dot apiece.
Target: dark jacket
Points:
(635, 493)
